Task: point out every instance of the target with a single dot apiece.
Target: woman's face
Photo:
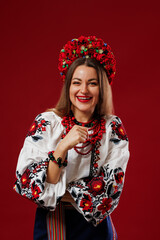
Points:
(84, 91)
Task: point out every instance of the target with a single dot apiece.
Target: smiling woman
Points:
(104, 105)
(75, 155)
(84, 92)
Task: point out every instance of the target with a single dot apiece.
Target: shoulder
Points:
(43, 124)
(115, 126)
(44, 121)
(48, 117)
(112, 118)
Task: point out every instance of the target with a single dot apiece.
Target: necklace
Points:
(96, 128)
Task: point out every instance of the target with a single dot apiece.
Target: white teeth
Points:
(83, 98)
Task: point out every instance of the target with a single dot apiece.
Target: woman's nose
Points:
(84, 88)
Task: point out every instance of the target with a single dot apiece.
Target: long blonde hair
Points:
(105, 103)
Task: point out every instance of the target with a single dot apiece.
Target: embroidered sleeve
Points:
(33, 162)
(98, 195)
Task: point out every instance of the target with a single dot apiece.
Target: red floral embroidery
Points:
(95, 165)
(119, 129)
(121, 132)
(119, 177)
(35, 191)
(33, 128)
(25, 180)
(96, 186)
(43, 121)
(43, 128)
(106, 205)
(115, 188)
(86, 203)
(38, 126)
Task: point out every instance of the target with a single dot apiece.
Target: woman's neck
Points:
(82, 117)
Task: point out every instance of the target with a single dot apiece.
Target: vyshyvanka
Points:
(94, 177)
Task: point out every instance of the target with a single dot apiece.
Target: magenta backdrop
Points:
(32, 33)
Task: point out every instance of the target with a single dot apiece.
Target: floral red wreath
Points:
(87, 47)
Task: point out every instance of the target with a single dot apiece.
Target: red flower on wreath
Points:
(86, 203)
(87, 47)
(96, 186)
(106, 205)
(35, 191)
(33, 128)
(25, 180)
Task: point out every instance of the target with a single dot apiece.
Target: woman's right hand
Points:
(77, 134)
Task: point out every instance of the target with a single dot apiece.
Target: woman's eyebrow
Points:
(92, 79)
(89, 80)
(76, 79)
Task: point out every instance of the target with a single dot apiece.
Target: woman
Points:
(74, 157)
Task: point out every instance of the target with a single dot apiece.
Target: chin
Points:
(85, 111)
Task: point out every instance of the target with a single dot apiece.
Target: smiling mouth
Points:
(84, 99)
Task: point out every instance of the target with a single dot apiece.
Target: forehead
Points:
(84, 72)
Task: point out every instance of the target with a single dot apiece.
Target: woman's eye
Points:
(93, 83)
(90, 83)
(75, 83)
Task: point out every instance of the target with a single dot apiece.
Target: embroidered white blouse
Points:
(95, 180)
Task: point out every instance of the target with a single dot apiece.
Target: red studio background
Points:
(32, 34)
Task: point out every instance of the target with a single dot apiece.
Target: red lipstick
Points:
(83, 99)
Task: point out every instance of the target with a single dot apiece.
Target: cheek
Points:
(71, 93)
(97, 99)
(96, 94)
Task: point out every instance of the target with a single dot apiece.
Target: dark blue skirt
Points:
(77, 228)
